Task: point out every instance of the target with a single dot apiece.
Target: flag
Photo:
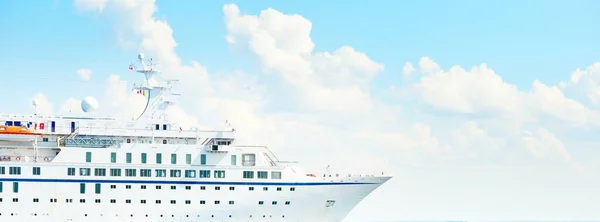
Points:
(130, 67)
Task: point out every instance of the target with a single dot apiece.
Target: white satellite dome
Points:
(89, 104)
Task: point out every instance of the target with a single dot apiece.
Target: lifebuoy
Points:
(46, 159)
(18, 158)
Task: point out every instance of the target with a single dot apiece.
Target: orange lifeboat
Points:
(17, 134)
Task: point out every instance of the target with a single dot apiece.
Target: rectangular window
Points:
(248, 159)
(158, 158)
(203, 159)
(204, 173)
(188, 158)
(113, 157)
(1, 187)
(100, 172)
(85, 171)
(219, 174)
(190, 173)
(173, 158)
(130, 172)
(82, 188)
(175, 173)
(98, 188)
(36, 171)
(71, 171)
(143, 157)
(14, 170)
(88, 157)
(145, 172)
(15, 187)
(161, 173)
(248, 174)
(276, 175)
(262, 174)
(128, 157)
(2, 170)
(233, 160)
(115, 172)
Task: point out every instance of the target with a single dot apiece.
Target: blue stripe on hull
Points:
(180, 182)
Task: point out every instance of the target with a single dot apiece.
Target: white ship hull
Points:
(308, 201)
(18, 137)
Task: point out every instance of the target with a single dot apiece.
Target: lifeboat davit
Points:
(17, 134)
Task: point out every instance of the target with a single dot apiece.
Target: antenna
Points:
(35, 104)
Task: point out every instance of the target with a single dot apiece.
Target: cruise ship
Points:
(90, 168)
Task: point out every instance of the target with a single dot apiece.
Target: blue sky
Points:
(466, 132)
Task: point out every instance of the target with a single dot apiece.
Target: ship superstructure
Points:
(63, 168)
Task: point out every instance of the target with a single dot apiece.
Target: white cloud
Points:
(408, 69)
(70, 106)
(84, 74)
(42, 105)
(90, 5)
(544, 144)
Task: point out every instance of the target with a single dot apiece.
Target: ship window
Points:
(143, 201)
(84, 171)
(248, 159)
(115, 172)
(113, 186)
(158, 158)
(14, 170)
(88, 157)
(98, 188)
(233, 160)
(128, 187)
(219, 174)
(173, 187)
(128, 140)
(82, 188)
(45, 139)
(292, 189)
(261, 202)
(157, 127)
(231, 202)
(250, 188)
(71, 171)
(17, 123)
(217, 188)
(175, 173)
(265, 188)
(143, 187)
(173, 158)
(15, 199)
(217, 202)
(262, 174)
(1, 187)
(188, 158)
(173, 201)
(276, 175)
(188, 187)
(203, 159)
(231, 188)
(164, 141)
(158, 202)
(287, 203)
(128, 201)
(158, 187)
(98, 201)
(204, 173)
(188, 202)
(202, 202)
(161, 173)
(202, 188)
(274, 202)
(113, 201)
(145, 172)
(15, 187)
(100, 172)
(164, 126)
(36, 171)
(69, 200)
(190, 173)
(2, 170)
(143, 157)
(128, 157)
(130, 172)
(113, 157)
(278, 188)
(248, 174)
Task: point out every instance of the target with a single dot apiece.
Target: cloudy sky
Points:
(482, 110)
